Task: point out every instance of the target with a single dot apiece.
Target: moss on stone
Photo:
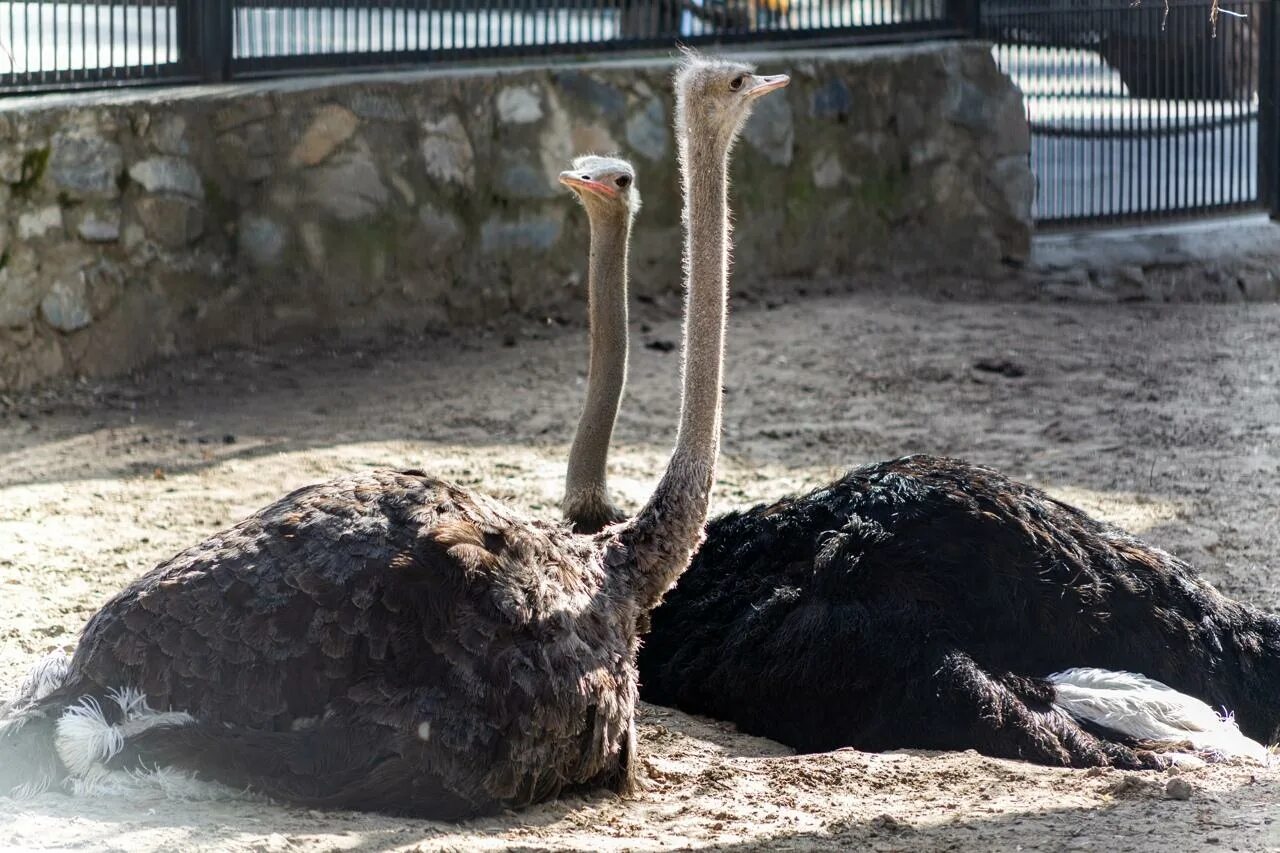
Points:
(34, 164)
(883, 191)
(802, 196)
(370, 245)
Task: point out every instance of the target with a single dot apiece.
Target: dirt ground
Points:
(1165, 419)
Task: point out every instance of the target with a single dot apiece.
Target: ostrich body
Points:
(391, 641)
(931, 603)
(926, 602)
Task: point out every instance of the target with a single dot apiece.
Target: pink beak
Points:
(581, 182)
(764, 85)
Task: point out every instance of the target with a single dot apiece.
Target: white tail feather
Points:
(166, 781)
(45, 677)
(86, 742)
(1145, 709)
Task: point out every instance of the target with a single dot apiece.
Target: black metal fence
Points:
(55, 44)
(59, 45)
(1142, 113)
(1137, 112)
(270, 37)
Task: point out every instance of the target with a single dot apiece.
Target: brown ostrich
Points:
(390, 641)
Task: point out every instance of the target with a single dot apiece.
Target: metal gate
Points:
(1138, 113)
(49, 45)
(1144, 112)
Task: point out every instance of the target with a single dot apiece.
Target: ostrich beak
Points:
(765, 85)
(580, 182)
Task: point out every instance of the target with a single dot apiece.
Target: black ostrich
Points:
(931, 603)
(389, 641)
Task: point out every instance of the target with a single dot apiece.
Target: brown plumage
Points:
(387, 600)
(391, 641)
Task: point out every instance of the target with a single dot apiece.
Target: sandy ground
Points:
(1164, 419)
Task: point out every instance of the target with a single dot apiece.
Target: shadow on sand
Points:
(1143, 821)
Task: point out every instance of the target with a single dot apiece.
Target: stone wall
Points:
(156, 222)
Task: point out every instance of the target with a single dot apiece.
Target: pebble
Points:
(1002, 366)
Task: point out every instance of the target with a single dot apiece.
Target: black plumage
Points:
(921, 602)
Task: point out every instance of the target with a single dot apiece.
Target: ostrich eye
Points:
(736, 83)
(623, 182)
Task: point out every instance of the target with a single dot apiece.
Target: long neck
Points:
(662, 537)
(586, 494)
(706, 254)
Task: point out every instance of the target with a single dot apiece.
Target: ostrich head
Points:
(718, 94)
(604, 184)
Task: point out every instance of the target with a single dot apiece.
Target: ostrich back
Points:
(474, 641)
(821, 620)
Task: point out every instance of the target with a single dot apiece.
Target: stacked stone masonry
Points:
(150, 223)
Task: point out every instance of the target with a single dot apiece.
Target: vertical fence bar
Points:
(967, 16)
(208, 30)
(1269, 108)
(188, 31)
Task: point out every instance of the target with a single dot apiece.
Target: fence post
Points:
(967, 15)
(204, 34)
(1269, 107)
